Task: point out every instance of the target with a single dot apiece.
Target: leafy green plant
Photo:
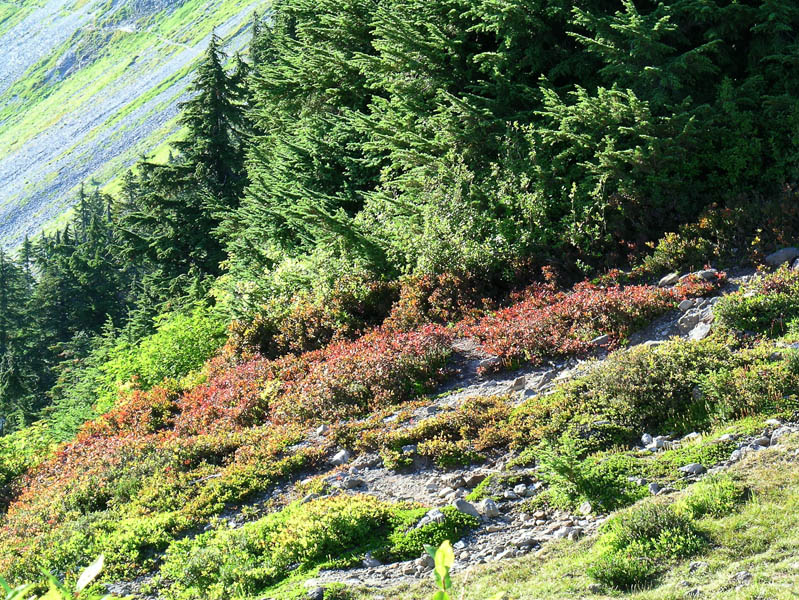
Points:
(443, 558)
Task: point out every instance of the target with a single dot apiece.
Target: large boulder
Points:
(782, 256)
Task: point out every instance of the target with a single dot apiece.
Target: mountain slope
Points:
(87, 86)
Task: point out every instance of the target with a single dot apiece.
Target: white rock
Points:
(707, 274)
(518, 384)
(520, 490)
(466, 507)
(779, 433)
(488, 508)
(322, 429)
(370, 562)
(692, 436)
(646, 439)
(341, 457)
(699, 332)
(669, 279)
(686, 305)
(585, 508)
(445, 492)
(693, 469)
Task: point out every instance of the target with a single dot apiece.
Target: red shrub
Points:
(534, 329)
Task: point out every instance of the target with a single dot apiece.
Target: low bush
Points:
(600, 480)
(309, 320)
(547, 324)
(638, 543)
(641, 389)
(715, 496)
(763, 380)
(766, 306)
(329, 531)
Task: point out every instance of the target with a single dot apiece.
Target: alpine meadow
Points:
(399, 299)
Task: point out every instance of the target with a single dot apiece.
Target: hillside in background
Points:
(87, 87)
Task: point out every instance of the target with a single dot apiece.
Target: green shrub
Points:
(448, 453)
(328, 531)
(715, 496)
(765, 306)
(602, 481)
(642, 389)
(757, 385)
(636, 543)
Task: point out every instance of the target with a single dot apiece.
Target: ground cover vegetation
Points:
(369, 183)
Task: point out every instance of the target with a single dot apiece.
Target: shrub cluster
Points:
(769, 305)
(334, 531)
(548, 324)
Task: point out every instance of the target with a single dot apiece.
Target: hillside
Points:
(505, 292)
(86, 88)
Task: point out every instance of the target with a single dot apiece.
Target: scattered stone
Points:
(526, 541)
(764, 441)
(727, 437)
(316, 594)
(646, 439)
(708, 274)
(602, 340)
(696, 566)
(409, 449)
(795, 265)
(510, 495)
(341, 457)
(518, 384)
(445, 492)
(425, 561)
(520, 490)
(474, 479)
(693, 469)
(671, 279)
(699, 332)
(773, 423)
(369, 561)
(489, 508)
(322, 429)
(466, 507)
(454, 480)
(686, 305)
(782, 256)
(689, 320)
(742, 577)
(433, 516)
(585, 508)
(353, 482)
(595, 588)
(692, 436)
(780, 433)
(654, 488)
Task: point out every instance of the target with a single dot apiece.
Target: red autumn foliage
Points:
(548, 324)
